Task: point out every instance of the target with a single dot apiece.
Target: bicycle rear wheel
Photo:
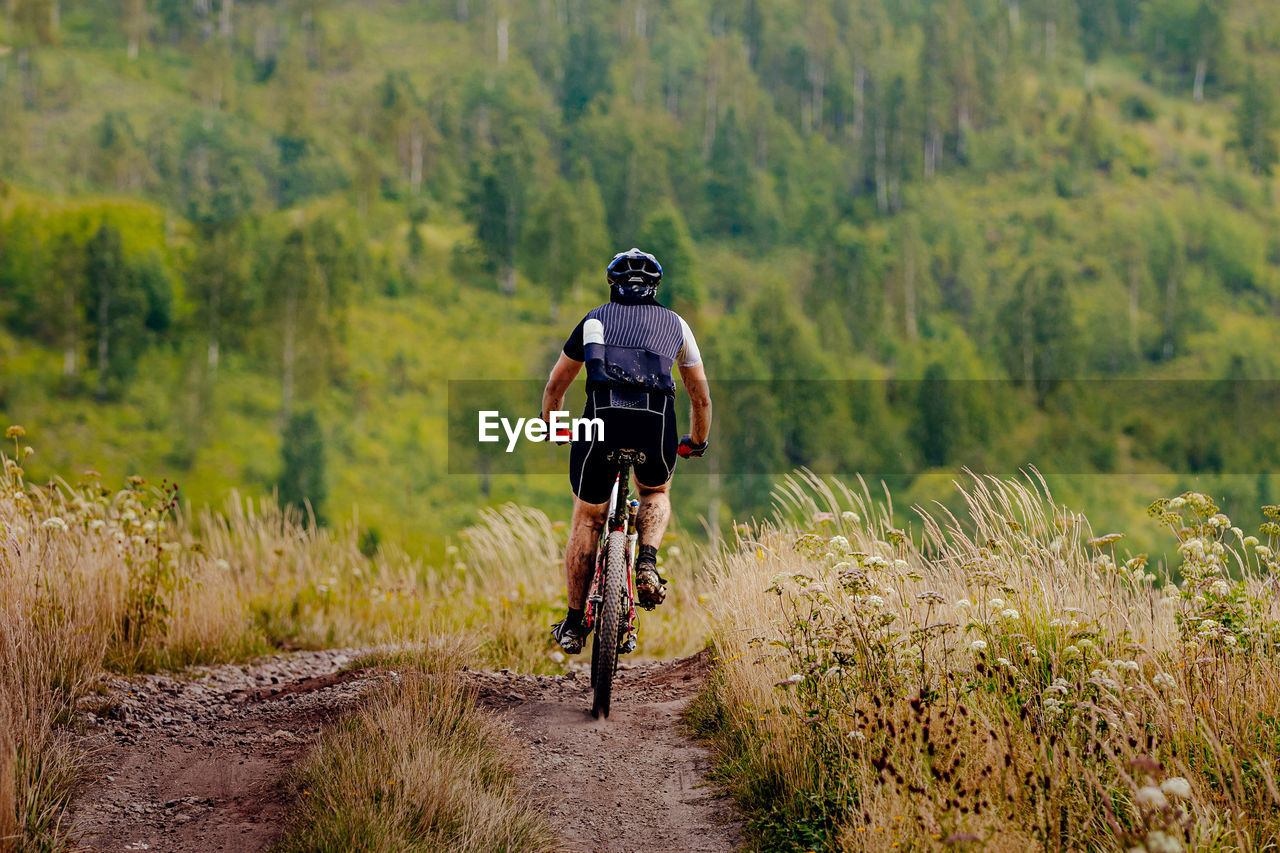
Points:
(604, 649)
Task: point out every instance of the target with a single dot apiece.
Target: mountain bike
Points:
(611, 601)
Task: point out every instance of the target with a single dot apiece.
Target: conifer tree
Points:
(1257, 122)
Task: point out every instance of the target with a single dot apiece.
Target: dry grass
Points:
(417, 768)
(1000, 683)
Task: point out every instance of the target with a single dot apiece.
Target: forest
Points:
(247, 245)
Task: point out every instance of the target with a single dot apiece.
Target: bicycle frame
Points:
(621, 517)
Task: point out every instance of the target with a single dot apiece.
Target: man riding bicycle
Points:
(629, 345)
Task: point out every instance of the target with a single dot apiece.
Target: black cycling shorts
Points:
(634, 420)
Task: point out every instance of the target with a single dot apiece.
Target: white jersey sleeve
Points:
(688, 356)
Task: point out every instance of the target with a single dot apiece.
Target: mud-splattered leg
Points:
(579, 558)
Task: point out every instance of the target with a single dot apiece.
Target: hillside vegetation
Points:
(247, 244)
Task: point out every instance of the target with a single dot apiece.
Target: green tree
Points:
(303, 465)
(666, 237)
(207, 169)
(126, 305)
(847, 295)
(13, 125)
(564, 237)
(1039, 339)
(1257, 122)
(219, 282)
(1187, 36)
(116, 159)
(938, 422)
(730, 186)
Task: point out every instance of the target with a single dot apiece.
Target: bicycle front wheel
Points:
(604, 650)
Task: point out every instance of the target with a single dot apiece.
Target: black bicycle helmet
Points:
(634, 275)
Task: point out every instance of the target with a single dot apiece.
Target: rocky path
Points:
(633, 782)
(199, 763)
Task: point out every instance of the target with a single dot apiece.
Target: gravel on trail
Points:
(632, 782)
(198, 762)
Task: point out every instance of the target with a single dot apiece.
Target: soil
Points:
(199, 762)
(633, 782)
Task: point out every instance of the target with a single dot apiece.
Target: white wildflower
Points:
(1163, 681)
(873, 601)
(978, 646)
(54, 523)
(1009, 613)
(996, 603)
(839, 545)
(1250, 541)
(557, 656)
(963, 604)
(1159, 841)
(850, 517)
(1152, 797)
(1176, 786)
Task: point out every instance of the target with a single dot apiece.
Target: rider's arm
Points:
(558, 383)
(694, 378)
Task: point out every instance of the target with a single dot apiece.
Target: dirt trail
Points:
(199, 763)
(633, 782)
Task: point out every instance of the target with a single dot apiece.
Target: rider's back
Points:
(632, 346)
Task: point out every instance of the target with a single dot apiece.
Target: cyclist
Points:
(629, 346)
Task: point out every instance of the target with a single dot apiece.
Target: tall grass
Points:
(417, 768)
(1008, 681)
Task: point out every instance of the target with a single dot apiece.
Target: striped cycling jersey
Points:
(632, 346)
